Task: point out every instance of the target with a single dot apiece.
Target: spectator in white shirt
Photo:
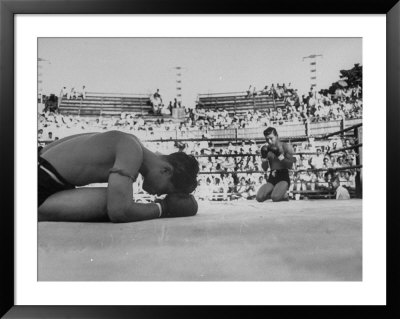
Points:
(317, 161)
(341, 192)
(83, 93)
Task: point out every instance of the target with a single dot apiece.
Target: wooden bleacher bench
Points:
(239, 104)
(110, 104)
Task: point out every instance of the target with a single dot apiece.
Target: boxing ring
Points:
(314, 240)
(298, 240)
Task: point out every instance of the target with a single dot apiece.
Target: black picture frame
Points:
(8, 9)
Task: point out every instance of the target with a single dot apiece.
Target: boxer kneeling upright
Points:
(278, 156)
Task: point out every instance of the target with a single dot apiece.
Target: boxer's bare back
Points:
(86, 158)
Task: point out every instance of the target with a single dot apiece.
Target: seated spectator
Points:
(321, 183)
(265, 91)
(305, 178)
(313, 180)
(83, 93)
(340, 191)
(297, 181)
(303, 163)
(72, 94)
(40, 134)
(241, 189)
(327, 162)
(338, 163)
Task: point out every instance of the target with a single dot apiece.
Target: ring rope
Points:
(345, 149)
(295, 171)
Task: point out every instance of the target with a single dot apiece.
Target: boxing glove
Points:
(264, 152)
(276, 149)
(178, 205)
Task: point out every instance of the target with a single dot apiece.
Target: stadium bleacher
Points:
(238, 102)
(106, 104)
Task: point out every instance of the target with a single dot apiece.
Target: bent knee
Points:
(261, 198)
(277, 198)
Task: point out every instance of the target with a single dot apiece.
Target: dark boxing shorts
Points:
(47, 184)
(280, 175)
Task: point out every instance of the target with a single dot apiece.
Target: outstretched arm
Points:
(87, 204)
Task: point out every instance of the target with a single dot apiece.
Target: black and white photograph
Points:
(200, 159)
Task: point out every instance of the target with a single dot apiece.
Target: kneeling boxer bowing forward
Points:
(279, 157)
(116, 158)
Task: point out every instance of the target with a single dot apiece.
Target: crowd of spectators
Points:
(278, 91)
(72, 93)
(315, 107)
(223, 164)
(158, 106)
(320, 106)
(240, 176)
(233, 171)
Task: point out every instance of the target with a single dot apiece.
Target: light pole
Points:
(178, 83)
(41, 64)
(313, 69)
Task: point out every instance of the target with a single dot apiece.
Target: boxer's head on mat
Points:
(271, 135)
(174, 173)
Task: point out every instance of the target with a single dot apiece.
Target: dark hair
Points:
(186, 168)
(270, 130)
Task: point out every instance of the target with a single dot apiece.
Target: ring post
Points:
(358, 138)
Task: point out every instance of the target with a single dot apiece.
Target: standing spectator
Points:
(248, 93)
(343, 179)
(83, 93)
(157, 95)
(317, 161)
(63, 93)
(351, 180)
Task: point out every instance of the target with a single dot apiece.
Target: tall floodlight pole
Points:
(313, 68)
(41, 64)
(178, 83)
